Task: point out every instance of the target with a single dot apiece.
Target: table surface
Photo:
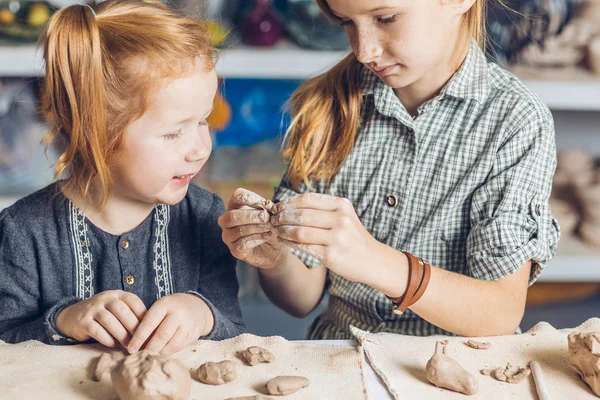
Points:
(375, 386)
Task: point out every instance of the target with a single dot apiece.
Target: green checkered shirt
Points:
(465, 185)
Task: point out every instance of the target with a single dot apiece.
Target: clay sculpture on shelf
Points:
(445, 372)
(478, 345)
(257, 355)
(509, 374)
(213, 373)
(146, 376)
(284, 385)
(584, 358)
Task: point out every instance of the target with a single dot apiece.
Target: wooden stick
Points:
(538, 378)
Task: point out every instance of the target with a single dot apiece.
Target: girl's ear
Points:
(459, 7)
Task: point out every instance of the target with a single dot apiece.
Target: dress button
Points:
(125, 244)
(392, 201)
(130, 279)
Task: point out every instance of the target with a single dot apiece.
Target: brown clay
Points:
(284, 385)
(584, 358)
(509, 374)
(151, 376)
(256, 355)
(106, 362)
(445, 372)
(213, 373)
(478, 345)
(251, 199)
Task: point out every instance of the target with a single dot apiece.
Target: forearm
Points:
(458, 303)
(292, 286)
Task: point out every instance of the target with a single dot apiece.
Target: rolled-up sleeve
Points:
(284, 192)
(511, 220)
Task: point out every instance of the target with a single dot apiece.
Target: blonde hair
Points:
(100, 66)
(326, 110)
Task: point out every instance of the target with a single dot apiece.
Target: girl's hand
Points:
(109, 317)
(173, 322)
(247, 231)
(327, 228)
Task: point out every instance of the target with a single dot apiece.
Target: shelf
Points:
(574, 89)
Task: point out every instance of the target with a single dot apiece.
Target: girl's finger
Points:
(305, 217)
(304, 235)
(151, 321)
(252, 241)
(113, 326)
(98, 332)
(232, 235)
(177, 342)
(247, 216)
(315, 250)
(123, 313)
(135, 304)
(164, 333)
(313, 201)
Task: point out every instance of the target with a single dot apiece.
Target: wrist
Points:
(391, 273)
(279, 268)
(206, 316)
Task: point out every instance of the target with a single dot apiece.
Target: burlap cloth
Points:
(400, 362)
(33, 370)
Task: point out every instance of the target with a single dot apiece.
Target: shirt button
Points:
(411, 130)
(130, 279)
(125, 244)
(392, 201)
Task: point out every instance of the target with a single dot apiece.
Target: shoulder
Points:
(36, 210)
(512, 100)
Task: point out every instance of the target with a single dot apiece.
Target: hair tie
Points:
(90, 7)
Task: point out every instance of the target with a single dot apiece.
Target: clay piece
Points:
(445, 372)
(584, 358)
(151, 376)
(213, 373)
(478, 345)
(251, 199)
(106, 362)
(257, 397)
(257, 355)
(284, 385)
(509, 374)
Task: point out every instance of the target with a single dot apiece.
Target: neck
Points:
(118, 215)
(431, 84)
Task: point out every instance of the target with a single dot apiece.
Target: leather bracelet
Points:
(419, 273)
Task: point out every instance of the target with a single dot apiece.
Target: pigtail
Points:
(73, 96)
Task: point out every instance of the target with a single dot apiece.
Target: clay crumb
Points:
(212, 373)
(284, 385)
(478, 345)
(509, 374)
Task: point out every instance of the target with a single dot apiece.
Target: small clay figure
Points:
(257, 355)
(445, 372)
(284, 385)
(213, 373)
(584, 358)
(509, 374)
(478, 345)
(146, 376)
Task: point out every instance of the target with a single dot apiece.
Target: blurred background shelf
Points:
(570, 90)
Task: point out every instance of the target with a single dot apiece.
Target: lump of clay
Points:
(284, 385)
(257, 355)
(445, 372)
(213, 373)
(508, 374)
(584, 358)
(478, 345)
(257, 397)
(106, 362)
(151, 376)
(253, 200)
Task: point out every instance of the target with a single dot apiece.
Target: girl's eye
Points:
(388, 20)
(171, 136)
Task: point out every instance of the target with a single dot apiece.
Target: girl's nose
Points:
(367, 47)
(200, 149)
